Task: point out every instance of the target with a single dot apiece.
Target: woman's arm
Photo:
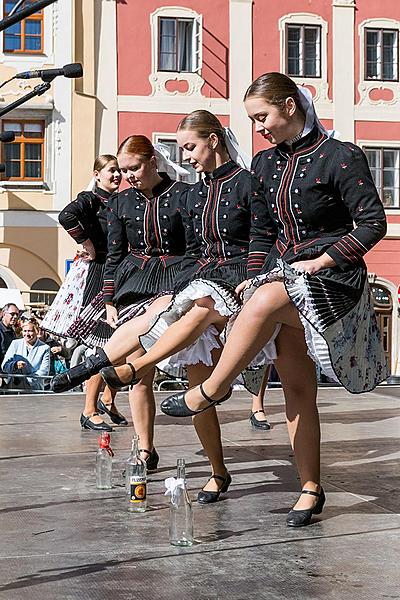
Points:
(353, 181)
(117, 248)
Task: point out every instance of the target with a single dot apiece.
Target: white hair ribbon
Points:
(163, 156)
(311, 116)
(234, 150)
(91, 186)
(173, 485)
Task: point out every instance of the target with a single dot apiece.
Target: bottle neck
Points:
(135, 445)
(180, 469)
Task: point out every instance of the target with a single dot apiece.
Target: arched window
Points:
(43, 287)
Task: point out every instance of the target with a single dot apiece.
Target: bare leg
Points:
(207, 426)
(299, 381)
(252, 329)
(125, 339)
(143, 409)
(258, 401)
(108, 399)
(179, 335)
(93, 388)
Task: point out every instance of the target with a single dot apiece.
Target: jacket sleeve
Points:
(44, 367)
(353, 181)
(192, 247)
(70, 218)
(11, 358)
(263, 232)
(117, 248)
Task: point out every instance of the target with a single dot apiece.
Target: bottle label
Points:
(137, 489)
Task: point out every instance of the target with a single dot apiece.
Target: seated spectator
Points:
(60, 355)
(9, 319)
(28, 356)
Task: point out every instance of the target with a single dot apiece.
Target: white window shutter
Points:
(197, 43)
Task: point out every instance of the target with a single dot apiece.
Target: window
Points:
(24, 157)
(303, 55)
(178, 45)
(25, 36)
(381, 54)
(385, 168)
(176, 155)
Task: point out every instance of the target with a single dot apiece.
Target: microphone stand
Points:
(37, 91)
(24, 13)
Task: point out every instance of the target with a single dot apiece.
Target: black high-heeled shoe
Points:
(175, 406)
(110, 376)
(86, 423)
(77, 375)
(205, 497)
(151, 460)
(116, 418)
(300, 518)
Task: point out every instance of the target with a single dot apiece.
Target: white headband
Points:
(311, 116)
(163, 156)
(235, 152)
(91, 185)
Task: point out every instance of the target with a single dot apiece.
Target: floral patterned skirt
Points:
(70, 298)
(341, 329)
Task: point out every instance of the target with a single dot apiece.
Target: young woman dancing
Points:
(85, 221)
(146, 241)
(314, 281)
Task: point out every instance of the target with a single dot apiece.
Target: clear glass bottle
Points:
(136, 479)
(180, 510)
(104, 463)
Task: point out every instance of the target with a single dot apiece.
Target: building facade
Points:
(147, 64)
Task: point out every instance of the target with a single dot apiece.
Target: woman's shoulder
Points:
(346, 150)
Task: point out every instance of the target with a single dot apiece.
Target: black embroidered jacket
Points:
(321, 198)
(141, 229)
(225, 213)
(86, 218)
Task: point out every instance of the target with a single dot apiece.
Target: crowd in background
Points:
(29, 355)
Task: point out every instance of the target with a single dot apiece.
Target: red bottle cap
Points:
(104, 440)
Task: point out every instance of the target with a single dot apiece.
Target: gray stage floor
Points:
(63, 539)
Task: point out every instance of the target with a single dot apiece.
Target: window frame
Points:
(195, 43)
(168, 138)
(38, 16)
(318, 59)
(23, 140)
(380, 30)
(381, 147)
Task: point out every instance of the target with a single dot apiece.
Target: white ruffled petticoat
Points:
(225, 302)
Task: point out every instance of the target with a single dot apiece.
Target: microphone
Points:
(7, 136)
(72, 70)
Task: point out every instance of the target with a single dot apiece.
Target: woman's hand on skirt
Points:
(242, 286)
(112, 315)
(313, 266)
(89, 249)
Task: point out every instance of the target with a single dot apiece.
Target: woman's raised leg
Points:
(252, 329)
(125, 339)
(178, 336)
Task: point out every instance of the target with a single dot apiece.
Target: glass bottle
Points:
(104, 463)
(180, 510)
(136, 479)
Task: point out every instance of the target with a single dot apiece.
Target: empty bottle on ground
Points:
(104, 463)
(180, 510)
(136, 479)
